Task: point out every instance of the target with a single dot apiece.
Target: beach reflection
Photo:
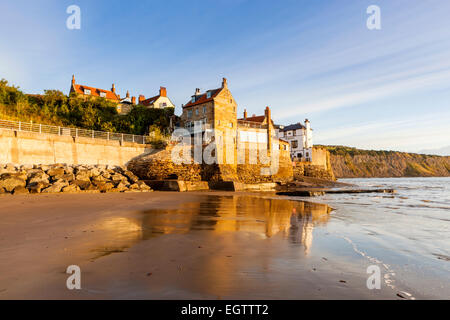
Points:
(265, 218)
(294, 220)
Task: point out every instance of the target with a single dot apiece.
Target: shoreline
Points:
(102, 233)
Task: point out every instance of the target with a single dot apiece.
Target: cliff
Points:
(349, 162)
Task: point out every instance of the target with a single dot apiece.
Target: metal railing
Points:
(251, 124)
(73, 132)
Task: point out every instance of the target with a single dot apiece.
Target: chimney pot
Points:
(141, 98)
(197, 91)
(128, 94)
(224, 83)
(133, 100)
(245, 114)
(162, 91)
(113, 89)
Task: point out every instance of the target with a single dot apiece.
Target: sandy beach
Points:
(211, 245)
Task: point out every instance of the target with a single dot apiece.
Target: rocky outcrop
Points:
(68, 179)
(158, 165)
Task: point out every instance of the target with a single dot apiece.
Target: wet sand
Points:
(164, 245)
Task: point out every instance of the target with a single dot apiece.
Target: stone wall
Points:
(20, 147)
(159, 166)
(320, 167)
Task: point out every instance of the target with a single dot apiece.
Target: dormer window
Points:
(103, 94)
(87, 91)
(208, 95)
(193, 99)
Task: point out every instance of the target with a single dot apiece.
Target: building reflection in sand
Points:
(263, 217)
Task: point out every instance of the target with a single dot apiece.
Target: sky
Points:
(374, 89)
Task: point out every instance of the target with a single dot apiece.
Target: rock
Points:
(98, 179)
(83, 175)
(118, 178)
(20, 190)
(131, 176)
(71, 189)
(55, 187)
(10, 181)
(121, 187)
(143, 186)
(82, 184)
(105, 187)
(39, 176)
(56, 172)
(67, 177)
(36, 187)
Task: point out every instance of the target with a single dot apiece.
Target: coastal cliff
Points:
(348, 162)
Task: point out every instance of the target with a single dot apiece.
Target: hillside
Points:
(349, 162)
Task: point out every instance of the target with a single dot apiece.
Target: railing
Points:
(251, 124)
(73, 132)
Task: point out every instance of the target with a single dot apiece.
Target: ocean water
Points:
(406, 233)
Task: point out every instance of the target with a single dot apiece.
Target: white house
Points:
(300, 138)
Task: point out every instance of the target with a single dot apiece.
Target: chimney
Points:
(267, 114)
(128, 94)
(197, 91)
(307, 124)
(269, 129)
(224, 83)
(141, 98)
(73, 79)
(245, 114)
(162, 91)
(113, 89)
(133, 100)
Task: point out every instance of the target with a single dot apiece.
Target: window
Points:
(294, 144)
(204, 109)
(193, 99)
(307, 154)
(231, 124)
(196, 112)
(218, 122)
(189, 114)
(299, 155)
(163, 105)
(103, 94)
(208, 95)
(87, 91)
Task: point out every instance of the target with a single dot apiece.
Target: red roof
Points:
(79, 88)
(202, 98)
(150, 101)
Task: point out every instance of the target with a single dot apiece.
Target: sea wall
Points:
(23, 148)
(320, 167)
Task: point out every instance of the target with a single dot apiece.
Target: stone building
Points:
(159, 102)
(300, 138)
(238, 141)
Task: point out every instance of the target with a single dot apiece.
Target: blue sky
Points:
(380, 89)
